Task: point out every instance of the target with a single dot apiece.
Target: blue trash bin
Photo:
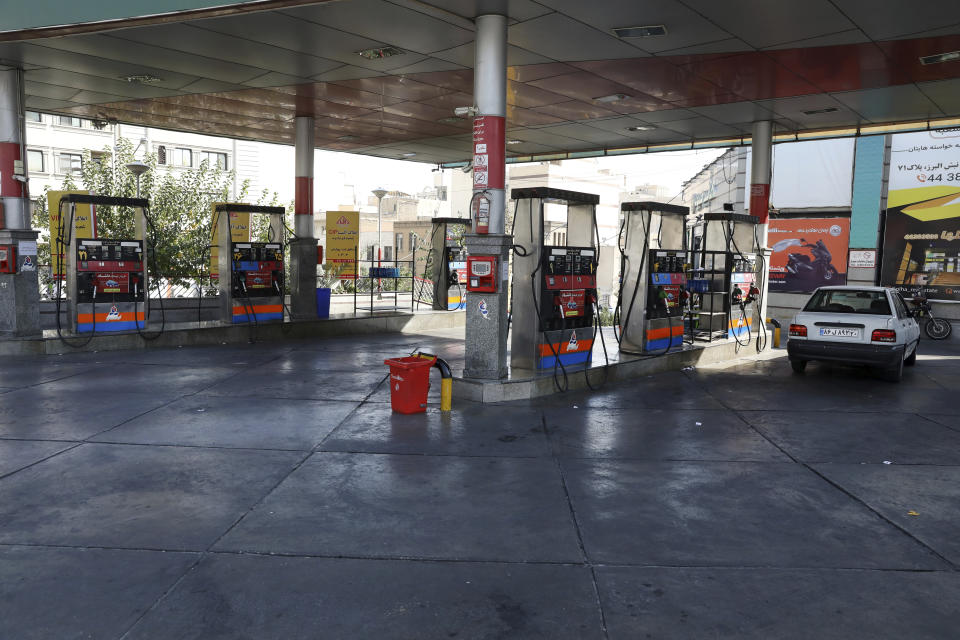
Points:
(323, 303)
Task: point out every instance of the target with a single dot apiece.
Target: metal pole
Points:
(761, 173)
(379, 254)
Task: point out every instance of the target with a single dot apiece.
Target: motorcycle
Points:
(801, 266)
(935, 328)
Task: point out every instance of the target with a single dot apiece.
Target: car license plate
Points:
(837, 332)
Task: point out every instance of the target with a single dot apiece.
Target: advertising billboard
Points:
(84, 223)
(921, 240)
(239, 232)
(343, 238)
(808, 253)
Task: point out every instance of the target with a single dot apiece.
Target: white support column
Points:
(303, 248)
(19, 291)
(490, 95)
(13, 185)
(303, 204)
(486, 342)
(760, 177)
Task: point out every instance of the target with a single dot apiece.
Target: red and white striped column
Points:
(760, 170)
(303, 199)
(13, 188)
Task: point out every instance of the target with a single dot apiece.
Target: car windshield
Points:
(849, 301)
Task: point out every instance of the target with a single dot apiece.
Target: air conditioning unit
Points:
(161, 154)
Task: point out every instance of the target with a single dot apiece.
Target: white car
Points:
(855, 325)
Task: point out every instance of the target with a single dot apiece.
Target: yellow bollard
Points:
(446, 381)
(446, 394)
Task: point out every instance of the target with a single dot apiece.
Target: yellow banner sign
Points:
(343, 239)
(239, 232)
(83, 222)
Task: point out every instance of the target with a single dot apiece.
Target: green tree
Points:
(180, 221)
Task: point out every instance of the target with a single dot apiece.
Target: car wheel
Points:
(895, 373)
(799, 366)
(912, 358)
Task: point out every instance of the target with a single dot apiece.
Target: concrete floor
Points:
(268, 492)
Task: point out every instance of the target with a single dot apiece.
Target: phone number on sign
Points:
(939, 177)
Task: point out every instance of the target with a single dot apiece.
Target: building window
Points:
(35, 161)
(97, 157)
(388, 253)
(34, 116)
(399, 243)
(442, 194)
(68, 121)
(70, 162)
(183, 157)
(161, 154)
(214, 159)
(413, 240)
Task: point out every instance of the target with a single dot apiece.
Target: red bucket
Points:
(410, 382)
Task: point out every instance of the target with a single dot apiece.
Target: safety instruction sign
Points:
(343, 241)
(84, 224)
(239, 232)
(489, 144)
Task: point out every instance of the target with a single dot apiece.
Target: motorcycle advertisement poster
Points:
(808, 253)
(921, 240)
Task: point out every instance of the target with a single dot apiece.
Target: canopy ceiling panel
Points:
(248, 69)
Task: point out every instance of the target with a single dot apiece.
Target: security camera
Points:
(466, 112)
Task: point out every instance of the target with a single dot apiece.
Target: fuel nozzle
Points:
(753, 293)
(737, 295)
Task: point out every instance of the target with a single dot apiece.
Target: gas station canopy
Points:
(383, 77)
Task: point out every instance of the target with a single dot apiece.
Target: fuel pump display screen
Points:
(126, 251)
(456, 263)
(110, 270)
(568, 287)
(667, 282)
(257, 269)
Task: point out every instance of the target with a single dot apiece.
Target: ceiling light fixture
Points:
(408, 154)
(814, 112)
(514, 141)
(641, 32)
(379, 53)
(346, 138)
(143, 78)
(950, 56)
(613, 97)
(451, 120)
(640, 128)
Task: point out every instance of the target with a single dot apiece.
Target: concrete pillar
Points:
(486, 341)
(303, 248)
(760, 177)
(19, 292)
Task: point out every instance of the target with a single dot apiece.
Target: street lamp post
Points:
(379, 192)
(137, 168)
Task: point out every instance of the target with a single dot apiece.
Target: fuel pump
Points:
(448, 264)
(653, 277)
(251, 274)
(555, 325)
(727, 267)
(107, 279)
